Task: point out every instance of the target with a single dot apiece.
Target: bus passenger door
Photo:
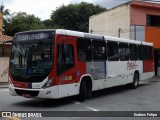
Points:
(66, 65)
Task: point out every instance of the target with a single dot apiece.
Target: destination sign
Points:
(34, 36)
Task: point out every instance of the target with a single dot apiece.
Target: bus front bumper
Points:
(51, 92)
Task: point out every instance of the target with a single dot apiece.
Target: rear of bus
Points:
(146, 54)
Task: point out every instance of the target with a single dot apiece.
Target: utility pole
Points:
(91, 31)
(119, 32)
(135, 32)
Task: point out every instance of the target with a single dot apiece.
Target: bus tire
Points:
(82, 91)
(88, 93)
(135, 82)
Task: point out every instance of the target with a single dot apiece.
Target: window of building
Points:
(123, 51)
(84, 49)
(153, 20)
(99, 50)
(112, 51)
(133, 52)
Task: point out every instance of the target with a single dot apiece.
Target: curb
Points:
(4, 85)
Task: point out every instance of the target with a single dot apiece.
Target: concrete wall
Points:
(4, 63)
(137, 33)
(7, 49)
(152, 34)
(139, 14)
(109, 22)
(140, 10)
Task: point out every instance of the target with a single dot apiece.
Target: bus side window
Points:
(148, 55)
(133, 53)
(65, 59)
(141, 52)
(99, 50)
(81, 55)
(112, 51)
(84, 49)
(123, 51)
(151, 52)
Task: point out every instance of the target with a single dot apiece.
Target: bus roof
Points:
(108, 38)
(100, 37)
(88, 35)
(41, 30)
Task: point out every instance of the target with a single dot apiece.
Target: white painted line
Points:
(93, 109)
(4, 90)
(76, 102)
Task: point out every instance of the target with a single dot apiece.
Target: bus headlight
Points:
(10, 82)
(48, 83)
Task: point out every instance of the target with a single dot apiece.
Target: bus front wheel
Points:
(82, 91)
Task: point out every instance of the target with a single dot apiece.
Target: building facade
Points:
(135, 20)
(5, 46)
(5, 49)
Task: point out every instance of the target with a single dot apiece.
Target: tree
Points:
(22, 22)
(75, 16)
(6, 15)
(4, 11)
(49, 24)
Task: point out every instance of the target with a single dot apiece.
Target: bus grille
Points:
(32, 79)
(31, 93)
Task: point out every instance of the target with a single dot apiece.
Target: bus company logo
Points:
(131, 65)
(6, 114)
(48, 92)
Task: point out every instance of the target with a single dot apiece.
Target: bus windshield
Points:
(32, 57)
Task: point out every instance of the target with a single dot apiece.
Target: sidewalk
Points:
(3, 85)
(154, 79)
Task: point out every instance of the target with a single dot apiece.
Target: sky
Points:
(44, 8)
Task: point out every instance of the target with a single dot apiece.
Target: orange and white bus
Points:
(60, 63)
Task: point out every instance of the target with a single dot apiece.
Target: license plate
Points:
(26, 95)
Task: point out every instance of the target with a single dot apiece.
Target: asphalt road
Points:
(145, 98)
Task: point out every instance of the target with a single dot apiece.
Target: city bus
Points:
(60, 63)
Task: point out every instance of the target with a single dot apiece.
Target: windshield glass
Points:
(31, 59)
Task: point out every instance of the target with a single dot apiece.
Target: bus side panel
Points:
(123, 68)
(81, 70)
(117, 73)
(98, 72)
(68, 80)
(122, 72)
(148, 69)
(96, 69)
(148, 66)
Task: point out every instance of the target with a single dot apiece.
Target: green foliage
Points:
(23, 22)
(6, 15)
(75, 16)
(49, 24)
(72, 16)
(4, 11)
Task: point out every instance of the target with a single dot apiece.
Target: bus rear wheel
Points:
(135, 82)
(82, 91)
